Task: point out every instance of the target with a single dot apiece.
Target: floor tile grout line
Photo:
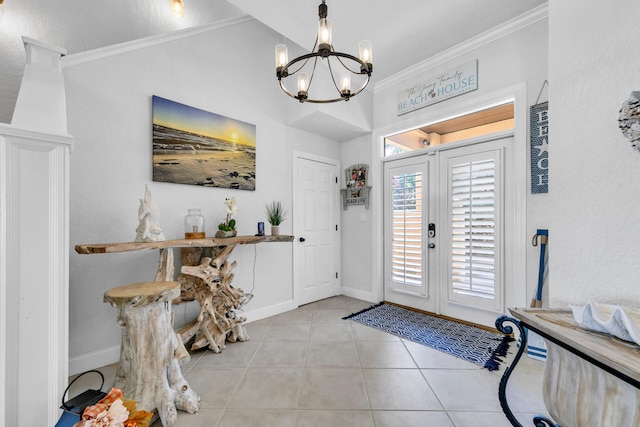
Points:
(364, 381)
(244, 373)
(304, 371)
(404, 343)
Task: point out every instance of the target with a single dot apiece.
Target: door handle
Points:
(302, 239)
(432, 245)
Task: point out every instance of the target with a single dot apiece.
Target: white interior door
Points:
(409, 209)
(317, 245)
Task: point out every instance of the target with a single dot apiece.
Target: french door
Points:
(408, 211)
(473, 211)
(444, 228)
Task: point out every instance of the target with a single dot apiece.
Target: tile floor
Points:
(310, 368)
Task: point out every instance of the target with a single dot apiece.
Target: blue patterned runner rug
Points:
(475, 345)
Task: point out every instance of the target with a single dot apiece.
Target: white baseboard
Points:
(362, 295)
(111, 355)
(94, 360)
(272, 310)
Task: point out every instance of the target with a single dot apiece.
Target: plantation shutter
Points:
(475, 203)
(406, 228)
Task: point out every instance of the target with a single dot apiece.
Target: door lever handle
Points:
(302, 239)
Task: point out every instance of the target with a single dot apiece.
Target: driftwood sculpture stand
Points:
(206, 277)
(151, 352)
(149, 371)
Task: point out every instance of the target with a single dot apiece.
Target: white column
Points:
(41, 103)
(34, 253)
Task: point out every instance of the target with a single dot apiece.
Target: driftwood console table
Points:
(590, 379)
(205, 276)
(207, 242)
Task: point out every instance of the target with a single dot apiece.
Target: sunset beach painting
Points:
(193, 146)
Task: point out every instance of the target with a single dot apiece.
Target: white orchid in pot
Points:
(276, 213)
(228, 227)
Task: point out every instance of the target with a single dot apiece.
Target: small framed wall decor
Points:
(357, 191)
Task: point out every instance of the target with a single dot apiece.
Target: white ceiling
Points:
(403, 32)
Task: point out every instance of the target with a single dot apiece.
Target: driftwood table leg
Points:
(149, 371)
(165, 273)
(209, 282)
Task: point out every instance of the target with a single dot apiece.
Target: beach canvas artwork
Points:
(193, 146)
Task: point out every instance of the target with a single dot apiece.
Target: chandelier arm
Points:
(328, 101)
(287, 91)
(332, 53)
(361, 88)
(349, 69)
(313, 72)
(305, 58)
(299, 68)
(308, 56)
(353, 58)
(333, 79)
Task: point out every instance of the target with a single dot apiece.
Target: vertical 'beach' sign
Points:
(454, 82)
(539, 122)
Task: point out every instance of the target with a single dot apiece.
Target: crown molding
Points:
(534, 15)
(117, 49)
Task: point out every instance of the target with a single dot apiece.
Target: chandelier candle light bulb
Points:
(303, 84)
(366, 53)
(282, 57)
(324, 35)
(345, 83)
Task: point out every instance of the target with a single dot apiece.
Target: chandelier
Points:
(347, 65)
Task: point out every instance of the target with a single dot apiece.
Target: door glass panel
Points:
(478, 123)
(406, 228)
(473, 228)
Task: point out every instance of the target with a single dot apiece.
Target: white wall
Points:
(594, 201)
(357, 233)
(227, 71)
(514, 58)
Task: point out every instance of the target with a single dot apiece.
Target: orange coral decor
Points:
(111, 411)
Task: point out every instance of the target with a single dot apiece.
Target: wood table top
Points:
(621, 356)
(102, 248)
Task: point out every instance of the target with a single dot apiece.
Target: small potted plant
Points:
(228, 227)
(275, 215)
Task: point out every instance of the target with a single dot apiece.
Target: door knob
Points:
(302, 239)
(432, 245)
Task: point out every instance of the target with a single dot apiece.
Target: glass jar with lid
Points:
(194, 225)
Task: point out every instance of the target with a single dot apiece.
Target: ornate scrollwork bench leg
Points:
(538, 420)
